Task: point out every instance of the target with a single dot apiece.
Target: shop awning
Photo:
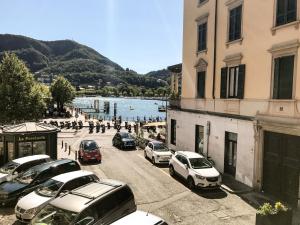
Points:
(155, 124)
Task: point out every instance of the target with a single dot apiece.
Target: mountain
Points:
(163, 74)
(80, 64)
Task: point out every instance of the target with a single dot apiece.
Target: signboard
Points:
(31, 138)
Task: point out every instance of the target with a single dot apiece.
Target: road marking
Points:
(142, 157)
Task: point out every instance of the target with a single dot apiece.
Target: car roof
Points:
(55, 163)
(84, 141)
(30, 158)
(138, 218)
(156, 142)
(66, 177)
(189, 154)
(80, 198)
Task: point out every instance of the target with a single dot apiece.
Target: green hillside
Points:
(78, 63)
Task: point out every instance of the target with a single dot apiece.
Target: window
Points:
(235, 23)
(201, 84)
(202, 33)
(230, 153)
(233, 82)
(286, 11)
(124, 195)
(283, 77)
(39, 147)
(106, 205)
(173, 132)
(25, 149)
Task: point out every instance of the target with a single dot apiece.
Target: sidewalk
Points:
(233, 186)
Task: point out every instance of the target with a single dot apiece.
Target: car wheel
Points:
(153, 161)
(145, 155)
(191, 183)
(171, 171)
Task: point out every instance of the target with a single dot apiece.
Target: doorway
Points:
(230, 153)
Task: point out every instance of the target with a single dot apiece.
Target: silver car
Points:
(28, 206)
(16, 167)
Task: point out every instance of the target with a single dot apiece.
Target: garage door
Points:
(281, 166)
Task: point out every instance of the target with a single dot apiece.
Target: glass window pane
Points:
(25, 149)
(39, 147)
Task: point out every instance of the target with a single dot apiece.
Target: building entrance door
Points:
(199, 139)
(230, 153)
(281, 166)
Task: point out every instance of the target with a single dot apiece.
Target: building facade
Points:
(240, 97)
(176, 79)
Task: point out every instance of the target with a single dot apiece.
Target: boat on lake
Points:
(161, 108)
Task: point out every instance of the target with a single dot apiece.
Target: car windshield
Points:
(49, 188)
(28, 176)
(125, 135)
(52, 215)
(90, 146)
(160, 147)
(200, 163)
(9, 167)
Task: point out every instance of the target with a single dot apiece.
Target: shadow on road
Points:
(205, 193)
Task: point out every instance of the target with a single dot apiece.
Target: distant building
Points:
(46, 79)
(176, 78)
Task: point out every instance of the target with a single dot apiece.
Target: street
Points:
(154, 189)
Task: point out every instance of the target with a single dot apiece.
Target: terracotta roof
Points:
(30, 127)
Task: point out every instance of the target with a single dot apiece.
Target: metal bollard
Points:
(70, 150)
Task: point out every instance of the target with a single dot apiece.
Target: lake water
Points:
(128, 108)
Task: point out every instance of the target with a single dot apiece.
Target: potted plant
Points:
(277, 215)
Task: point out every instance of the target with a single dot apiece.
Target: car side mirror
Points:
(186, 166)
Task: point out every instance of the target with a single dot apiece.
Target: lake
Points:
(129, 108)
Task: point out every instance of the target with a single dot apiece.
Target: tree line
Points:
(23, 98)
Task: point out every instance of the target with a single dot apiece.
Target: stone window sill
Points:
(202, 52)
(239, 41)
(202, 3)
(295, 24)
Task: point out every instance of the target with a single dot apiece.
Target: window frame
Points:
(230, 9)
(200, 24)
(202, 2)
(197, 84)
(235, 81)
(293, 80)
(285, 22)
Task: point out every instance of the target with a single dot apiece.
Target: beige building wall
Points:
(259, 37)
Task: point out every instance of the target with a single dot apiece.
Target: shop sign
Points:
(31, 138)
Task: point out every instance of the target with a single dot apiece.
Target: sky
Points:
(143, 35)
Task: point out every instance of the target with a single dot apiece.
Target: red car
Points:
(89, 151)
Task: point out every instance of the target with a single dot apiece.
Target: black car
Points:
(124, 140)
(33, 178)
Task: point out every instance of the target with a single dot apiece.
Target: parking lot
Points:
(154, 189)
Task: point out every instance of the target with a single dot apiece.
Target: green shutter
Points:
(276, 79)
(241, 81)
(223, 88)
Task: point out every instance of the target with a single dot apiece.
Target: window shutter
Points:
(241, 81)
(276, 79)
(201, 85)
(223, 93)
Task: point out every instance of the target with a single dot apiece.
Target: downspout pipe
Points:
(215, 49)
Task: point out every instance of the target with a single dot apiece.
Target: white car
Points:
(196, 169)
(28, 206)
(140, 218)
(16, 167)
(157, 152)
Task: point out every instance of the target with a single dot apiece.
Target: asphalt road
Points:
(155, 191)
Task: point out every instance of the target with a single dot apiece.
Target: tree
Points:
(62, 92)
(21, 98)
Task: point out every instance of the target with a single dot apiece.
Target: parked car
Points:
(101, 202)
(196, 169)
(157, 152)
(140, 218)
(89, 151)
(11, 191)
(28, 206)
(124, 140)
(17, 167)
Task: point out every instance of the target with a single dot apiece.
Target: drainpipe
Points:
(215, 49)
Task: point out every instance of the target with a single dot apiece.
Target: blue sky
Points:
(143, 35)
